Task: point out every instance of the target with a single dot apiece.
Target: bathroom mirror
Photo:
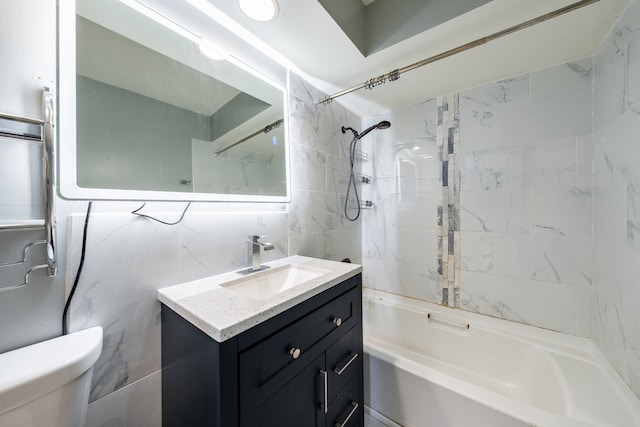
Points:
(147, 114)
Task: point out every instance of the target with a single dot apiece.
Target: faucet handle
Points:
(256, 237)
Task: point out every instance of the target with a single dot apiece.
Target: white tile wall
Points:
(399, 235)
(617, 197)
(526, 198)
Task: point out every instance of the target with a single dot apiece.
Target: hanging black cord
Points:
(136, 212)
(65, 313)
(352, 181)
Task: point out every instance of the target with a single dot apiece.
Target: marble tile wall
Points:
(617, 197)
(526, 197)
(319, 173)
(400, 234)
(128, 258)
(524, 205)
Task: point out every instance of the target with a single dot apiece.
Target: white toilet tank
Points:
(47, 384)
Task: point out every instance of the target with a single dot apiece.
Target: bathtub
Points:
(427, 365)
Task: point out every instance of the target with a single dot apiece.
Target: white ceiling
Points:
(306, 35)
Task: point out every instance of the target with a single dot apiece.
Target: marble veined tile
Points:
(507, 210)
(540, 164)
(337, 174)
(493, 169)
(127, 259)
(316, 125)
(584, 161)
(616, 150)
(413, 280)
(476, 123)
(562, 77)
(563, 211)
(343, 243)
(545, 117)
(215, 243)
(500, 92)
(308, 168)
(312, 212)
(311, 245)
(633, 74)
(138, 404)
(609, 333)
(553, 259)
(614, 46)
(609, 92)
(413, 122)
(616, 272)
(543, 304)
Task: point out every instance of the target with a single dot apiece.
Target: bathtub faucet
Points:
(256, 244)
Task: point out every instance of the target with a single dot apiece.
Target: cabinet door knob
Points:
(295, 352)
(337, 321)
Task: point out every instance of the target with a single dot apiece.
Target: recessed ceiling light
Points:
(259, 10)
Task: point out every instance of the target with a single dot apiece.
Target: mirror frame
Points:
(66, 133)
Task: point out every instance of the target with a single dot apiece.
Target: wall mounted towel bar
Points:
(36, 130)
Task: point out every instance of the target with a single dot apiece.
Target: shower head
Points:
(385, 124)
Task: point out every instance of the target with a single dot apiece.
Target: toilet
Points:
(48, 383)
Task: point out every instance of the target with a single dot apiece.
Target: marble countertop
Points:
(222, 313)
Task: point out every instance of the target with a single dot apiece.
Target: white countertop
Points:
(222, 313)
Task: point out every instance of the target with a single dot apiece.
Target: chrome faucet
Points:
(256, 244)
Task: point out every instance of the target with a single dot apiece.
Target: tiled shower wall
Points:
(521, 151)
(617, 197)
(525, 209)
(549, 199)
(129, 258)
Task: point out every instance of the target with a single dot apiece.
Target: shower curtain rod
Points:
(395, 74)
(266, 129)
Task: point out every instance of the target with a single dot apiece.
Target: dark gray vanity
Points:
(300, 367)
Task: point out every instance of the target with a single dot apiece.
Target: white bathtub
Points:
(427, 365)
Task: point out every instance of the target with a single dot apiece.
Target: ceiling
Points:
(307, 39)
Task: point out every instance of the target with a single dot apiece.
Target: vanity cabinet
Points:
(302, 367)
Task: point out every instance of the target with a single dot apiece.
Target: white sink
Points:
(267, 283)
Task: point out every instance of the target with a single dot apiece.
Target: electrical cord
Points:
(65, 312)
(136, 212)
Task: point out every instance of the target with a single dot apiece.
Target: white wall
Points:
(27, 49)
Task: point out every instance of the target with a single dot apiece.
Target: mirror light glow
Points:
(259, 10)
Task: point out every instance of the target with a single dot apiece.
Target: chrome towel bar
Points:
(28, 129)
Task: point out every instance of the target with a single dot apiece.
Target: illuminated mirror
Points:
(154, 117)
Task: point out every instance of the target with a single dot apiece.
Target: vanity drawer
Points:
(346, 410)
(344, 361)
(271, 363)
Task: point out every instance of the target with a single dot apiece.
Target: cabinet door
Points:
(296, 404)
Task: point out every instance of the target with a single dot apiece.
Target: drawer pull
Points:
(325, 394)
(337, 321)
(295, 352)
(354, 408)
(345, 363)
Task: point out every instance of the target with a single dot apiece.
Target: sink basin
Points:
(265, 284)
